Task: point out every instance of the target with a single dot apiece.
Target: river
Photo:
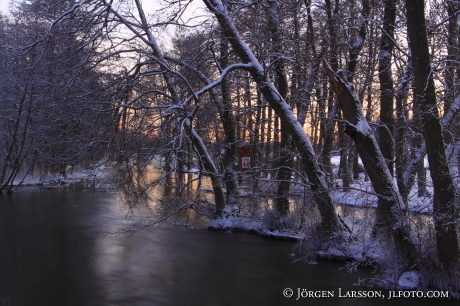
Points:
(55, 250)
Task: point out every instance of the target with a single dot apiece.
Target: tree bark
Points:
(230, 160)
(285, 158)
(444, 201)
(330, 223)
(386, 84)
(390, 207)
(355, 50)
(401, 137)
(333, 110)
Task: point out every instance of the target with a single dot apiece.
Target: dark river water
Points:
(54, 250)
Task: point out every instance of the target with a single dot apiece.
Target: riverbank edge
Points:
(320, 256)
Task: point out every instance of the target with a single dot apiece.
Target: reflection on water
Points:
(55, 251)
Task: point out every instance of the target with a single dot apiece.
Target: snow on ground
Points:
(359, 197)
(101, 174)
(409, 280)
(362, 193)
(233, 221)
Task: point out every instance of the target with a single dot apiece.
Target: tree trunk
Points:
(386, 84)
(421, 181)
(330, 223)
(285, 158)
(230, 159)
(325, 155)
(392, 218)
(450, 73)
(444, 202)
(401, 137)
(333, 110)
(344, 172)
(14, 155)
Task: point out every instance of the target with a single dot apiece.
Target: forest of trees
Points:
(186, 85)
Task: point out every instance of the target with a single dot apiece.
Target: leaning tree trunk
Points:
(390, 207)
(330, 223)
(444, 201)
(15, 154)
